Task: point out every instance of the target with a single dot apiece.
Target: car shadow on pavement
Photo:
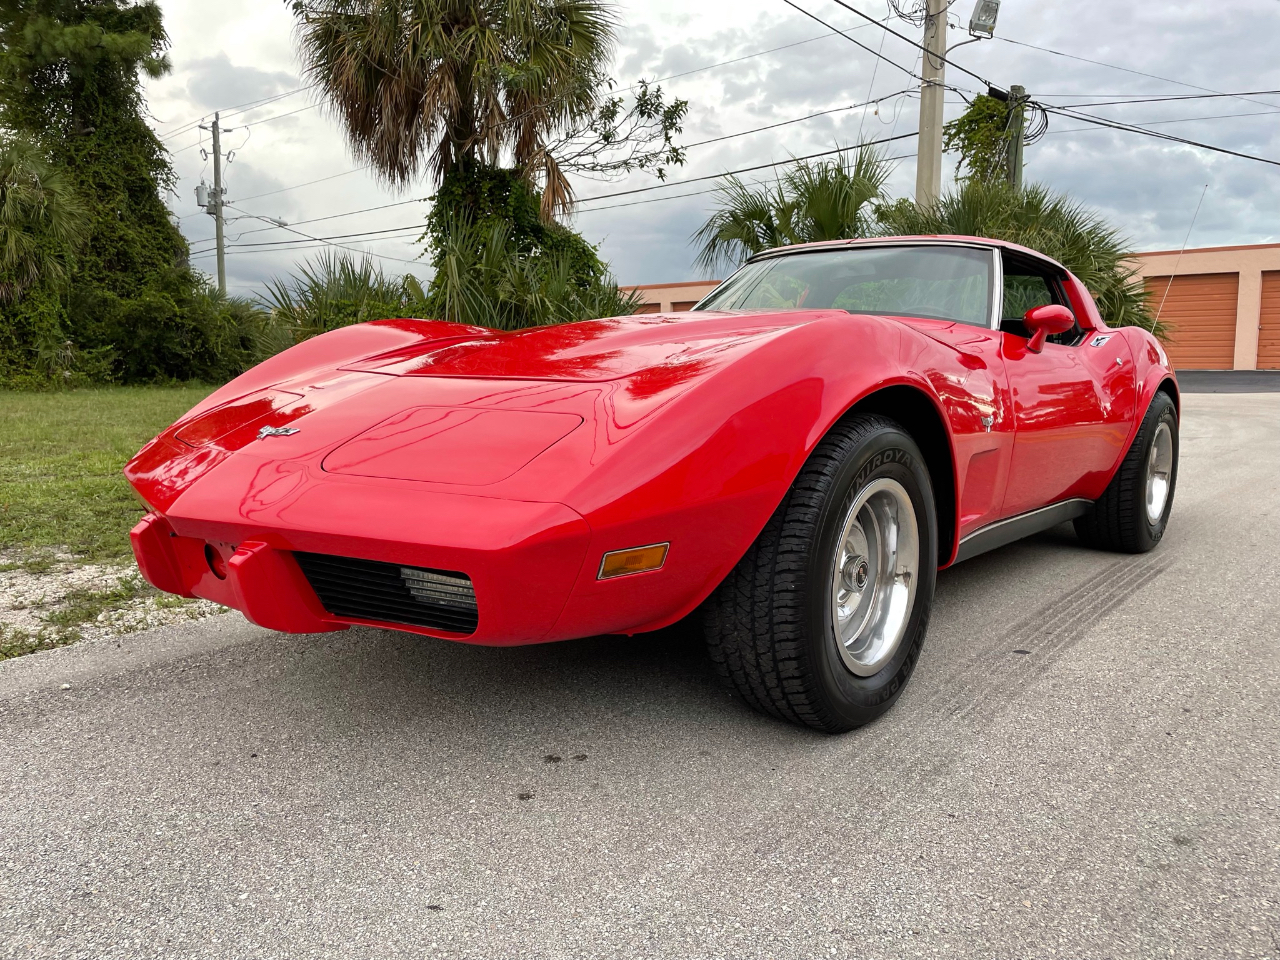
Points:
(420, 687)
(423, 687)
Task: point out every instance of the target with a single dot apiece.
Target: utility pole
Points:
(212, 200)
(217, 207)
(929, 146)
(1017, 120)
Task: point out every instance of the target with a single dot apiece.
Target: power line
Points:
(244, 126)
(278, 116)
(321, 246)
(359, 235)
(1149, 76)
(783, 123)
(752, 56)
(728, 173)
(814, 16)
(406, 228)
(243, 107)
(1152, 123)
(936, 56)
(729, 136)
(190, 146)
(1180, 96)
(1134, 128)
(335, 216)
(326, 240)
(875, 71)
(272, 193)
(1149, 97)
(233, 110)
(298, 244)
(246, 106)
(699, 193)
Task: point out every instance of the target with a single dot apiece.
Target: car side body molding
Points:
(1004, 532)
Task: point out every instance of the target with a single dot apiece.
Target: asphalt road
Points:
(1229, 381)
(1086, 765)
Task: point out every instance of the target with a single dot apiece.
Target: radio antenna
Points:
(1167, 286)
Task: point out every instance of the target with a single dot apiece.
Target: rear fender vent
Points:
(390, 593)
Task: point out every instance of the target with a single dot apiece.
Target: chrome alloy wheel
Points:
(1159, 472)
(873, 581)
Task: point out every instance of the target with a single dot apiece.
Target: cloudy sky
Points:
(291, 161)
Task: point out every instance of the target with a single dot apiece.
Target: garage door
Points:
(1269, 334)
(1201, 310)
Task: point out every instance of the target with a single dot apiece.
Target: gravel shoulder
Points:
(62, 600)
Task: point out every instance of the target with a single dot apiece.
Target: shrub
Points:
(483, 278)
(334, 289)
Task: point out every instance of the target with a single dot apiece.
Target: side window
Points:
(1026, 286)
(1021, 293)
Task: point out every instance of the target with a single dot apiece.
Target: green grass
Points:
(60, 461)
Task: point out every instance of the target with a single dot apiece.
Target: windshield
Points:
(934, 282)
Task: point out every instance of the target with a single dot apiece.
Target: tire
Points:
(771, 626)
(1123, 518)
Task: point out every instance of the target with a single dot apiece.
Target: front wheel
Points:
(1132, 513)
(822, 621)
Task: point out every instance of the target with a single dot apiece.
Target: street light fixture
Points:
(983, 22)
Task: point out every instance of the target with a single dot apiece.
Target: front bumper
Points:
(523, 558)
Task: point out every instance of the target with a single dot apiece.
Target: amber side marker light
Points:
(619, 563)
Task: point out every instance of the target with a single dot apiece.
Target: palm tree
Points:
(828, 199)
(441, 84)
(1049, 222)
(41, 219)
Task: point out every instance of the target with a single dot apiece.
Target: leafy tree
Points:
(483, 196)
(450, 84)
(1042, 220)
(70, 80)
(71, 83)
(981, 135)
(828, 199)
(42, 221)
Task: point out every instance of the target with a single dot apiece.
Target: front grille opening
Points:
(390, 593)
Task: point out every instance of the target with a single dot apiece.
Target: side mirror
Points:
(1044, 321)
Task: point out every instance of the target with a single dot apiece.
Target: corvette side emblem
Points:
(276, 432)
(1100, 340)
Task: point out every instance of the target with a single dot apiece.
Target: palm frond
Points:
(827, 199)
(42, 221)
(426, 85)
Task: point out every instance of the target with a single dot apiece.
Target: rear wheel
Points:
(1131, 515)
(821, 623)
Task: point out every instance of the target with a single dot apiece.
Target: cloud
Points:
(1146, 187)
(214, 83)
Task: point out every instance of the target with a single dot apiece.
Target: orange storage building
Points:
(1222, 305)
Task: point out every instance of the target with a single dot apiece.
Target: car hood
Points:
(592, 350)
(463, 408)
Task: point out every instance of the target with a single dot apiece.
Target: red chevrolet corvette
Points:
(797, 456)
